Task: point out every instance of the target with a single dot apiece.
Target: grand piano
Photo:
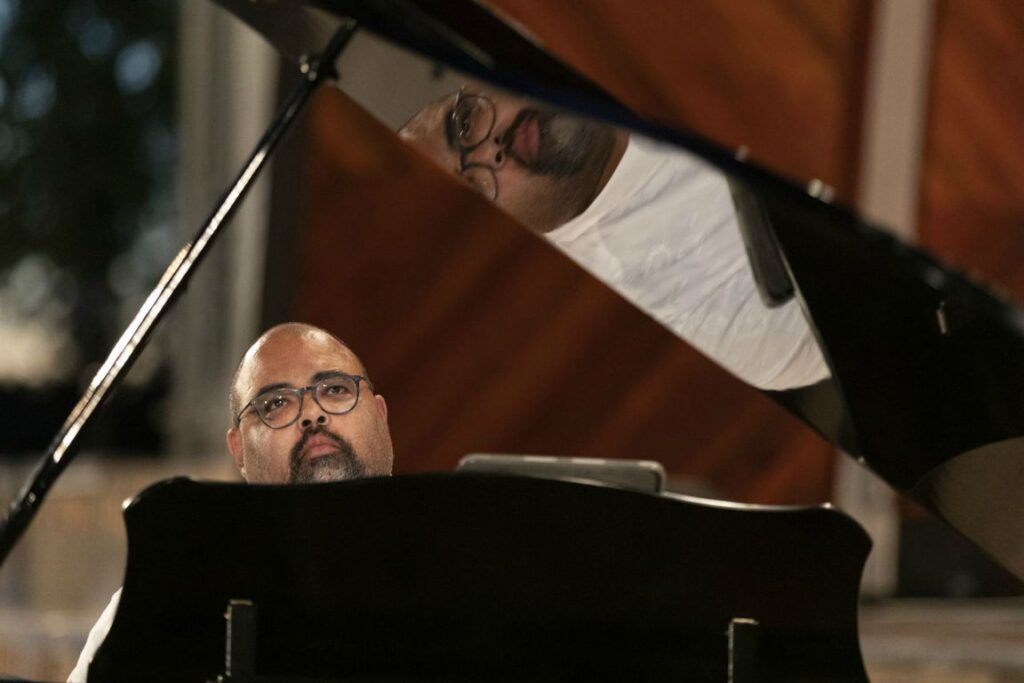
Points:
(921, 361)
(514, 579)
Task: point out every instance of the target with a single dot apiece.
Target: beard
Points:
(568, 145)
(340, 465)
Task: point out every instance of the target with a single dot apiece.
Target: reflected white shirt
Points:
(663, 232)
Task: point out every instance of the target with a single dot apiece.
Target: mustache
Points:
(345, 451)
(560, 154)
(510, 132)
(505, 141)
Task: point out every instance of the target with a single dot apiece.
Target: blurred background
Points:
(122, 121)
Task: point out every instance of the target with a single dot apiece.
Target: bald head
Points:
(327, 440)
(291, 329)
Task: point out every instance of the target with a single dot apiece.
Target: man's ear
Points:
(382, 406)
(234, 439)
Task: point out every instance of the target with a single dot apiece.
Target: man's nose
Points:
(490, 152)
(311, 412)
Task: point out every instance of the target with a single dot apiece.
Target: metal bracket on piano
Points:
(743, 645)
(240, 643)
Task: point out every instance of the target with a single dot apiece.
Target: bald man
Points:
(303, 410)
(310, 412)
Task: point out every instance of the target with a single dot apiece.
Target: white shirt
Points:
(92, 644)
(663, 232)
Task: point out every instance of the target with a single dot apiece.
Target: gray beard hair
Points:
(341, 465)
(568, 145)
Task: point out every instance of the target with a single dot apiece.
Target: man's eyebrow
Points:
(327, 374)
(318, 377)
(270, 387)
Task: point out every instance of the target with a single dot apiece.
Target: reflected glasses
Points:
(281, 407)
(472, 122)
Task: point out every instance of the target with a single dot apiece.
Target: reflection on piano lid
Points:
(927, 385)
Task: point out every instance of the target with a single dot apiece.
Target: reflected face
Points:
(318, 446)
(540, 165)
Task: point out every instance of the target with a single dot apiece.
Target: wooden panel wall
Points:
(781, 77)
(972, 203)
(484, 339)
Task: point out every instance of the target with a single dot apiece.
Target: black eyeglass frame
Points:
(463, 148)
(301, 392)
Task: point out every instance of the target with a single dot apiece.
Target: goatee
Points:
(339, 465)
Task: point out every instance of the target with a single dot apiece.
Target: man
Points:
(311, 412)
(656, 224)
(302, 410)
(537, 163)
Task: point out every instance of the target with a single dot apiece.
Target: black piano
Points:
(482, 576)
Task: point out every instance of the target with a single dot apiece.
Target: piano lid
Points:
(918, 371)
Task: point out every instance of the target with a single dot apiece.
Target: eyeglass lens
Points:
(280, 407)
(474, 119)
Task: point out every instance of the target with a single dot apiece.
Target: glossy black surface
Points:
(928, 369)
(473, 577)
(929, 366)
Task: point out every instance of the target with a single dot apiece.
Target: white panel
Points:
(227, 83)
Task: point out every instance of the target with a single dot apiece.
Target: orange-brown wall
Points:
(484, 339)
(782, 77)
(972, 200)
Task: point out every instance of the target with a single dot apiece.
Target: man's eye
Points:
(272, 403)
(337, 389)
(463, 122)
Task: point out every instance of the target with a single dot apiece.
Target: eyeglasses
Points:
(279, 408)
(472, 122)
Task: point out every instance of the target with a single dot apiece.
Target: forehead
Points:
(293, 359)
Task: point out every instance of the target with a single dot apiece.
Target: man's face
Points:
(318, 446)
(547, 164)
